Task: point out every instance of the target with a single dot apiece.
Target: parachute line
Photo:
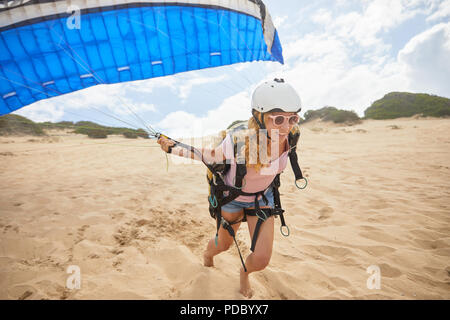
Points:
(127, 41)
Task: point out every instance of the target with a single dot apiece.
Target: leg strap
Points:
(263, 215)
(227, 226)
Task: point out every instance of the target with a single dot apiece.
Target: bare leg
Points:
(224, 239)
(259, 259)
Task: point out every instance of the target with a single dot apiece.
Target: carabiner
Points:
(285, 234)
(213, 201)
(259, 217)
(306, 183)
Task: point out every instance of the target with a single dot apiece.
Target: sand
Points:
(378, 195)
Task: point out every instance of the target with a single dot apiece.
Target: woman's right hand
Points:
(165, 143)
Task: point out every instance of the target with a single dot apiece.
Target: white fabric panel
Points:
(26, 12)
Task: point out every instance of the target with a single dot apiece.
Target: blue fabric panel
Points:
(47, 59)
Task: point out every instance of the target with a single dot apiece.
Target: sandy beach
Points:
(378, 195)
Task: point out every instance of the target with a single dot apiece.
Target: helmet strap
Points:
(261, 125)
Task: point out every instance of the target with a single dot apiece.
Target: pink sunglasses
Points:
(281, 120)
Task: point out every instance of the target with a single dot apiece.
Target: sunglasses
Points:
(281, 120)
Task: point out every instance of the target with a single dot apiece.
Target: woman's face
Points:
(284, 126)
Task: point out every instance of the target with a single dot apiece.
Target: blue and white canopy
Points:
(49, 48)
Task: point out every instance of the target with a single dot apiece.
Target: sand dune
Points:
(378, 194)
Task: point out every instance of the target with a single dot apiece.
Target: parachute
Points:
(49, 48)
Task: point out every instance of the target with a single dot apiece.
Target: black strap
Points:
(293, 140)
(227, 226)
(263, 215)
(294, 164)
(261, 125)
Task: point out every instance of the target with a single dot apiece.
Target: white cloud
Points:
(426, 59)
(315, 47)
(148, 85)
(91, 103)
(364, 27)
(325, 75)
(442, 12)
(322, 16)
(42, 111)
(195, 79)
(278, 21)
(347, 63)
(182, 124)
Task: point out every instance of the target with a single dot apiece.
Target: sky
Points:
(341, 53)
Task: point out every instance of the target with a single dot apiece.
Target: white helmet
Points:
(276, 95)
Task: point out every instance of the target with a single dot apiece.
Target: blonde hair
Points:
(262, 156)
(253, 143)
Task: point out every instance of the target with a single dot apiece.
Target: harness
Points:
(218, 197)
(218, 188)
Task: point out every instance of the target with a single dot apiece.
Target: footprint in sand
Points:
(164, 224)
(25, 295)
(10, 227)
(125, 235)
(377, 251)
(431, 244)
(325, 213)
(80, 233)
(117, 215)
(22, 292)
(380, 237)
(116, 263)
(388, 271)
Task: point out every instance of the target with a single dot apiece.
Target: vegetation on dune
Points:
(13, 124)
(391, 106)
(404, 104)
(331, 114)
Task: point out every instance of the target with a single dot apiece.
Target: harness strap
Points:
(227, 226)
(295, 166)
(263, 215)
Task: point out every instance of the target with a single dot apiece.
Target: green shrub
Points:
(404, 104)
(331, 114)
(130, 134)
(95, 133)
(142, 133)
(58, 125)
(13, 124)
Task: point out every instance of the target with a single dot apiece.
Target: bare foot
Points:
(208, 261)
(245, 290)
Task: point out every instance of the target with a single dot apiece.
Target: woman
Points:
(275, 105)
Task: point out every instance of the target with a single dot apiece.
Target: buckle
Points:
(224, 223)
(259, 217)
(277, 211)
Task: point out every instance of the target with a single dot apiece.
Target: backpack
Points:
(215, 177)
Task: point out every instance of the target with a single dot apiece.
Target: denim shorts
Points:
(236, 206)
